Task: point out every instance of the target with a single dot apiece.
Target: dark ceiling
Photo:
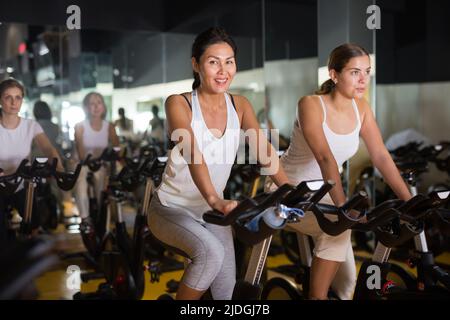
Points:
(412, 45)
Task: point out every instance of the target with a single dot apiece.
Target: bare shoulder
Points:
(239, 98)
(174, 99)
(310, 106)
(79, 127)
(308, 100)
(363, 107)
(177, 109)
(241, 103)
(177, 101)
(79, 131)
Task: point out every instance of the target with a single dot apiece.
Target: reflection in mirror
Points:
(296, 59)
(135, 65)
(290, 65)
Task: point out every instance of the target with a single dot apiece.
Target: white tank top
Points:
(177, 188)
(15, 144)
(299, 161)
(95, 141)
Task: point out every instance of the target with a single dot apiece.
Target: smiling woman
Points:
(218, 64)
(210, 119)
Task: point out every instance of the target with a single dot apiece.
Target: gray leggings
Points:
(210, 248)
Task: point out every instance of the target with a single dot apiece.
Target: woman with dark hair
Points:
(124, 124)
(205, 125)
(326, 134)
(157, 125)
(41, 111)
(92, 136)
(43, 116)
(16, 137)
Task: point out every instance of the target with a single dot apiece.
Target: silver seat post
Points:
(147, 196)
(304, 249)
(257, 261)
(420, 241)
(29, 200)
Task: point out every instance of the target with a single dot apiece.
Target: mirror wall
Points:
(138, 55)
(409, 71)
(135, 57)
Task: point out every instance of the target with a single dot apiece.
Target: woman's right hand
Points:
(224, 206)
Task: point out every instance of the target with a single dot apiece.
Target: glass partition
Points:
(133, 69)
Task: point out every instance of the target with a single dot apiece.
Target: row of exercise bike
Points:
(112, 253)
(119, 257)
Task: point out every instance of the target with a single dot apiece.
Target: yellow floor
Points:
(52, 284)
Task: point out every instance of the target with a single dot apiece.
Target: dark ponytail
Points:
(326, 87)
(205, 39)
(196, 82)
(338, 59)
(122, 119)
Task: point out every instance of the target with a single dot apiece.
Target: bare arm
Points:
(79, 142)
(264, 152)
(112, 135)
(379, 155)
(311, 118)
(47, 149)
(179, 122)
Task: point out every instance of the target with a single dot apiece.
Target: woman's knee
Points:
(206, 263)
(212, 254)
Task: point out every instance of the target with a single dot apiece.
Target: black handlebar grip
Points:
(382, 218)
(93, 164)
(327, 208)
(130, 178)
(412, 204)
(326, 187)
(439, 196)
(66, 181)
(277, 195)
(298, 194)
(406, 232)
(215, 217)
(86, 160)
(384, 206)
(355, 201)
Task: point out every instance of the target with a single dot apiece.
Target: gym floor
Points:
(52, 284)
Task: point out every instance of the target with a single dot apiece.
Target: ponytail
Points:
(196, 82)
(326, 87)
(123, 123)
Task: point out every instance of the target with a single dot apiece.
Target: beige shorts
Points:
(326, 247)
